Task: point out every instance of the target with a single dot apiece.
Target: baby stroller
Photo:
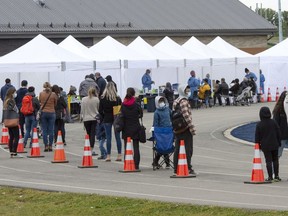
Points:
(163, 147)
(244, 97)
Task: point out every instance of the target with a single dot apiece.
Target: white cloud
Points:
(273, 4)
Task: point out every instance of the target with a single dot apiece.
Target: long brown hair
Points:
(279, 105)
(47, 87)
(9, 96)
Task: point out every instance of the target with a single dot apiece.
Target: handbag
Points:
(39, 113)
(11, 118)
(118, 122)
(142, 133)
(117, 108)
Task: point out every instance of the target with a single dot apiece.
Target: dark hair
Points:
(279, 105)
(246, 69)
(217, 81)
(9, 96)
(24, 83)
(7, 80)
(55, 88)
(206, 80)
(130, 93)
(31, 89)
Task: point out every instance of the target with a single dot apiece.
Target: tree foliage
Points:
(272, 17)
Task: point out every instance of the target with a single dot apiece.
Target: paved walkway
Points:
(222, 166)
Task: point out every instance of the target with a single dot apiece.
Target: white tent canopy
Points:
(73, 45)
(164, 59)
(110, 49)
(42, 55)
(242, 60)
(274, 66)
(167, 45)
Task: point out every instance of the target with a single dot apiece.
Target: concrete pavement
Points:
(222, 166)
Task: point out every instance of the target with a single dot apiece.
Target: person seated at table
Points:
(202, 94)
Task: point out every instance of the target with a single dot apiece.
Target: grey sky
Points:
(273, 4)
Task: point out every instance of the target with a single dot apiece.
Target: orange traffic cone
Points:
(129, 164)
(269, 98)
(262, 99)
(59, 153)
(35, 150)
(20, 148)
(277, 94)
(5, 136)
(87, 161)
(182, 168)
(257, 176)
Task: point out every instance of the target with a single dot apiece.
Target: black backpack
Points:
(178, 121)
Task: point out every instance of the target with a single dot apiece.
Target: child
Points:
(101, 137)
(162, 118)
(268, 136)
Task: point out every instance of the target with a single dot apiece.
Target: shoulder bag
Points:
(39, 113)
(11, 118)
(142, 132)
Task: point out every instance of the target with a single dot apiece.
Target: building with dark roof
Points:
(91, 20)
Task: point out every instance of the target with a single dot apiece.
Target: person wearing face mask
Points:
(280, 116)
(162, 118)
(187, 133)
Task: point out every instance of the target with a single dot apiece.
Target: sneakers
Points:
(269, 179)
(192, 172)
(102, 157)
(277, 179)
(167, 166)
(94, 153)
(156, 165)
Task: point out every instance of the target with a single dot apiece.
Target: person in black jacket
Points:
(267, 134)
(100, 81)
(60, 110)
(132, 111)
(169, 94)
(21, 92)
(280, 116)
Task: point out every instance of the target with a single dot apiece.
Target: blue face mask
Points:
(188, 93)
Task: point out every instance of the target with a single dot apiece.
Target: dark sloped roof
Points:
(194, 16)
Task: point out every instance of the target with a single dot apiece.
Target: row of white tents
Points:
(67, 63)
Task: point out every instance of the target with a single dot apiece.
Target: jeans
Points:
(102, 148)
(108, 131)
(284, 143)
(30, 124)
(47, 125)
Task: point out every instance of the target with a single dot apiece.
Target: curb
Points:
(227, 134)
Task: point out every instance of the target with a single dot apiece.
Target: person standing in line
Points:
(21, 92)
(262, 80)
(86, 85)
(101, 83)
(146, 80)
(5, 88)
(187, 133)
(194, 84)
(268, 136)
(48, 115)
(108, 100)
(30, 120)
(89, 111)
(60, 114)
(109, 79)
(131, 111)
(10, 104)
(169, 94)
(280, 116)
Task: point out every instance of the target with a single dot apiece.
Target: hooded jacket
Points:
(162, 115)
(185, 107)
(267, 132)
(85, 85)
(131, 112)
